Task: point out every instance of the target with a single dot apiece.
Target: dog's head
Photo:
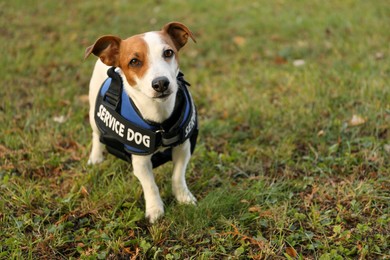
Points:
(148, 61)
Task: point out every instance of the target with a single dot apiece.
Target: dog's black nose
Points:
(160, 84)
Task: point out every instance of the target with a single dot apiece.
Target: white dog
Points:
(142, 111)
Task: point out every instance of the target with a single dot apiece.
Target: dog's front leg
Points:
(142, 166)
(96, 155)
(181, 155)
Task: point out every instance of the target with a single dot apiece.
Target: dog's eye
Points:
(135, 63)
(168, 53)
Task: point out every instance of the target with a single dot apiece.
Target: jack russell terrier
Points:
(141, 109)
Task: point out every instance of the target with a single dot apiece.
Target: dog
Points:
(144, 72)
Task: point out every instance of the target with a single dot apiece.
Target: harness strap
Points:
(114, 92)
(178, 132)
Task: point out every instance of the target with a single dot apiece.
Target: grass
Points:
(283, 169)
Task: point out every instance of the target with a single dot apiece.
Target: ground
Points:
(293, 154)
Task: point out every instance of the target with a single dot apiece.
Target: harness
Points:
(125, 132)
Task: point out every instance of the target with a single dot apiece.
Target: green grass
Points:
(280, 171)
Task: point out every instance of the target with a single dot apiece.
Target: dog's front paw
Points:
(95, 159)
(185, 197)
(154, 213)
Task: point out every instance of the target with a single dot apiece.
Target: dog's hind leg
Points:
(181, 155)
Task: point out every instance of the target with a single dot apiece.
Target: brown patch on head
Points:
(130, 55)
(133, 59)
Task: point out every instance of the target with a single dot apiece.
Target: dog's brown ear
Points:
(179, 33)
(107, 49)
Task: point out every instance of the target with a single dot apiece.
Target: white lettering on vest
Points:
(191, 124)
(130, 134)
(121, 130)
(146, 140)
(110, 121)
(138, 138)
(117, 127)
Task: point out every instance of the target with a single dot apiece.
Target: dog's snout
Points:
(160, 84)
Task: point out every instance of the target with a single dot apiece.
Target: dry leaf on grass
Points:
(379, 55)
(59, 119)
(84, 191)
(255, 208)
(298, 63)
(291, 252)
(357, 120)
(280, 60)
(321, 133)
(239, 41)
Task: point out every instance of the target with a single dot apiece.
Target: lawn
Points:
(293, 155)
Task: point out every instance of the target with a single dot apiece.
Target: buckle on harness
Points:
(170, 141)
(112, 99)
(167, 140)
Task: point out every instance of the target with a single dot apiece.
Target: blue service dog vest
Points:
(125, 132)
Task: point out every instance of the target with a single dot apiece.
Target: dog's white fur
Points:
(150, 107)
